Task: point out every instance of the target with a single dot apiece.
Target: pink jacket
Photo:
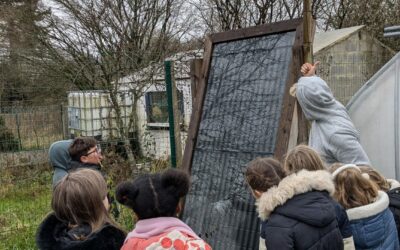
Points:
(163, 233)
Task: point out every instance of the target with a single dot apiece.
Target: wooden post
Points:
(174, 116)
(195, 75)
(308, 31)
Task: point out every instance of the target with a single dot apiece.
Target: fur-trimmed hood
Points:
(292, 185)
(381, 203)
(53, 234)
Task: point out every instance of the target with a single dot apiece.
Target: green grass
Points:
(22, 208)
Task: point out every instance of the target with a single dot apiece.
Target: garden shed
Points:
(349, 57)
(375, 111)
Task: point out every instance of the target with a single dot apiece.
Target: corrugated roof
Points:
(326, 39)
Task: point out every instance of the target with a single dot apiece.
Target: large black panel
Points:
(240, 120)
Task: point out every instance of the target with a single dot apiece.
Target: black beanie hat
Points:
(154, 195)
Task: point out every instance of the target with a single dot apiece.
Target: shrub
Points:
(7, 140)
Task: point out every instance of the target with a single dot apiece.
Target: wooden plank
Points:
(255, 31)
(285, 122)
(198, 109)
(303, 124)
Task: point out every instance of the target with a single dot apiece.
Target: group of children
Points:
(80, 218)
(304, 205)
(302, 202)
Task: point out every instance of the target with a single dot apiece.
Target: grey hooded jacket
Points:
(332, 134)
(60, 159)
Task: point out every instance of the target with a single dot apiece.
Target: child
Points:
(303, 157)
(154, 198)
(391, 187)
(371, 221)
(80, 219)
(85, 153)
(296, 210)
(332, 134)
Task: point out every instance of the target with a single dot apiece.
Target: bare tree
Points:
(375, 14)
(18, 26)
(99, 42)
(220, 15)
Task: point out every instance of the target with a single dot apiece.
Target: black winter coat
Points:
(77, 164)
(299, 213)
(394, 206)
(53, 234)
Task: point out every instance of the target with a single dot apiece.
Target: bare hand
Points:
(309, 69)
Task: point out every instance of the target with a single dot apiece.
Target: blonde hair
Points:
(302, 157)
(78, 199)
(264, 173)
(376, 177)
(351, 188)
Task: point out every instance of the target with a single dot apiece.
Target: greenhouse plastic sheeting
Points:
(240, 119)
(375, 111)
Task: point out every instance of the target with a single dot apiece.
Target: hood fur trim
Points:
(393, 183)
(381, 203)
(297, 183)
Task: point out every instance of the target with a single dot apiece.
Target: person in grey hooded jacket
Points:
(59, 159)
(332, 134)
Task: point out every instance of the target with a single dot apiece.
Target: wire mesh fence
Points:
(25, 174)
(26, 133)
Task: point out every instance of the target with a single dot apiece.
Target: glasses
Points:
(96, 150)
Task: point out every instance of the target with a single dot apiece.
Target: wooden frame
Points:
(285, 121)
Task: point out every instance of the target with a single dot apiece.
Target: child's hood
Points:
(298, 184)
(317, 100)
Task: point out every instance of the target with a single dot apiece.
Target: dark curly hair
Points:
(154, 195)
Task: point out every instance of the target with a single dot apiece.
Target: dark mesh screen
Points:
(240, 119)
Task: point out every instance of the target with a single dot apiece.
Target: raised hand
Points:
(309, 69)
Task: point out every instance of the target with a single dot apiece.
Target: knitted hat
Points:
(154, 195)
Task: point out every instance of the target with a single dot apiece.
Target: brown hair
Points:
(80, 147)
(376, 177)
(78, 199)
(352, 189)
(264, 173)
(302, 157)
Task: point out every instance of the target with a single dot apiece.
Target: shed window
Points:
(157, 106)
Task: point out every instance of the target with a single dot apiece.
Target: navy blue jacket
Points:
(394, 206)
(373, 225)
(300, 214)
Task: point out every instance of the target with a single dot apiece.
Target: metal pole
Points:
(173, 115)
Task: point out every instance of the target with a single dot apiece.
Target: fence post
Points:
(173, 116)
(195, 75)
(62, 121)
(19, 133)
